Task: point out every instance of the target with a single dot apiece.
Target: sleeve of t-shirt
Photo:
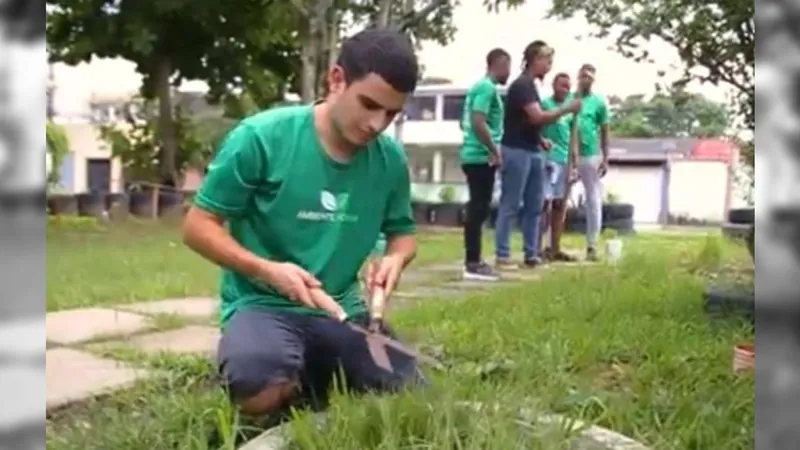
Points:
(398, 219)
(234, 173)
(525, 93)
(603, 114)
(484, 95)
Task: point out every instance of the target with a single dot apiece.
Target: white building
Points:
(665, 179)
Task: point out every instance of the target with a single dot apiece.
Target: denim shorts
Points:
(555, 180)
(260, 348)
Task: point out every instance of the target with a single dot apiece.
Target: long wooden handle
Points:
(378, 303)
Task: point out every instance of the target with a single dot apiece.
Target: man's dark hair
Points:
(495, 55)
(386, 53)
(532, 51)
(588, 67)
(561, 75)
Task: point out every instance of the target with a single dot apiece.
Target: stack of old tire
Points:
(734, 298)
(616, 216)
(139, 202)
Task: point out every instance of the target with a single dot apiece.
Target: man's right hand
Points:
(300, 286)
(496, 159)
(575, 105)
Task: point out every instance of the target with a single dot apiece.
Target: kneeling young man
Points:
(291, 208)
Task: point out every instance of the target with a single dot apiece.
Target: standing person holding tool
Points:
(523, 170)
(482, 124)
(592, 161)
(559, 167)
(290, 209)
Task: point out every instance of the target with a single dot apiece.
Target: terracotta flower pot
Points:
(744, 358)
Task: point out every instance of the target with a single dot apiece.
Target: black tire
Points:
(462, 216)
(614, 211)
(431, 215)
(742, 216)
(622, 226)
(493, 217)
(91, 204)
(730, 301)
(576, 215)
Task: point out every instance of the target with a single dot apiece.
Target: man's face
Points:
(501, 69)
(363, 109)
(585, 79)
(543, 63)
(561, 87)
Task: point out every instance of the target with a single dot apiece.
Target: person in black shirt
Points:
(523, 172)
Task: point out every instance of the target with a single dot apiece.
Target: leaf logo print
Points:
(328, 201)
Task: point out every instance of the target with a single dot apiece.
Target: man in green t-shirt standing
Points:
(592, 155)
(291, 207)
(559, 166)
(482, 124)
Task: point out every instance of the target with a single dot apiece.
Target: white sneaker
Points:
(480, 272)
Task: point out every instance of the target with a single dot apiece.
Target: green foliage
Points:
(714, 39)
(57, 147)
(227, 44)
(668, 114)
(612, 197)
(137, 146)
(447, 194)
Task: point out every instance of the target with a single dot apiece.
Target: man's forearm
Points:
(604, 141)
(484, 135)
(208, 237)
(404, 245)
(547, 117)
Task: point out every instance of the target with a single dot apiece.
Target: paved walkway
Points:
(76, 338)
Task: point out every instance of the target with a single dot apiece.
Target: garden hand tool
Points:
(389, 354)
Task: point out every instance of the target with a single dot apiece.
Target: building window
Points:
(453, 106)
(421, 108)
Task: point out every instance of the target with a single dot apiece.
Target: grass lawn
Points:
(141, 261)
(626, 347)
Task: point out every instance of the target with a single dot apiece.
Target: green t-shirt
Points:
(558, 132)
(286, 200)
(482, 97)
(593, 114)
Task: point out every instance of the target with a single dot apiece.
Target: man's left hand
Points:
(546, 144)
(385, 272)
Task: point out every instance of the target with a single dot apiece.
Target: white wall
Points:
(85, 143)
(698, 189)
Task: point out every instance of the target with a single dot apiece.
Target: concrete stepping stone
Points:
(74, 376)
(193, 339)
(192, 308)
(82, 325)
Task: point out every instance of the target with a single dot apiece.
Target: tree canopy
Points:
(714, 39)
(668, 114)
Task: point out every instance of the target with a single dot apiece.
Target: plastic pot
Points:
(170, 202)
(141, 203)
(62, 205)
(91, 204)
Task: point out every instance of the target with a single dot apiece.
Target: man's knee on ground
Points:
(260, 382)
(271, 399)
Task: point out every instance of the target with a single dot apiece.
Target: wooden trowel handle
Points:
(378, 305)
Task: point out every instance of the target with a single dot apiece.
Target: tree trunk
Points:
(308, 56)
(168, 173)
(384, 14)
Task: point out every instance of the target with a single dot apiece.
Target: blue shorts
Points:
(260, 348)
(555, 181)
